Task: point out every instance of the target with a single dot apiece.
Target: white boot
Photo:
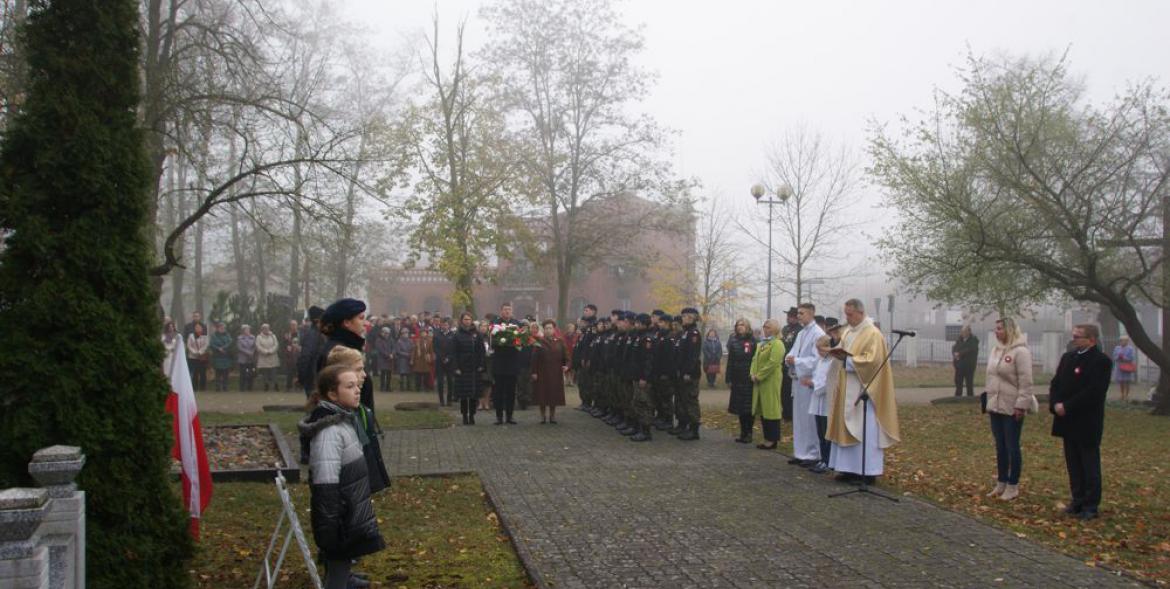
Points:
(999, 487)
(1010, 492)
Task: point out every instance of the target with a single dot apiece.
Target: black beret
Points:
(831, 321)
(644, 319)
(819, 318)
(341, 310)
(678, 318)
(691, 310)
(315, 313)
(629, 316)
(604, 320)
(591, 306)
(657, 312)
(618, 312)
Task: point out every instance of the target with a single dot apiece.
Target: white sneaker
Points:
(998, 490)
(1010, 492)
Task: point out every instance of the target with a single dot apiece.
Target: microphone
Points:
(906, 333)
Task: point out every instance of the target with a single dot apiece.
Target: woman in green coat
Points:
(766, 376)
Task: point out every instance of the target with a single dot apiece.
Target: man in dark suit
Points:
(1077, 400)
(505, 370)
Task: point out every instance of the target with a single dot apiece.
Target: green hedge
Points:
(79, 350)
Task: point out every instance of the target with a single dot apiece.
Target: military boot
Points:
(678, 429)
(691, 433)
(642, 436)
(662, 424)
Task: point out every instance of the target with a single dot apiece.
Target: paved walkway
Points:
(587, 508)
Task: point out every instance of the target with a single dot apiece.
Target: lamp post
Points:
(782, 193)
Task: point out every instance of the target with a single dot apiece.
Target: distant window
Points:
(953, 332)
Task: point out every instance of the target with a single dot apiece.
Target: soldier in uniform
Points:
(591, 358)
(631, 372)
(580, 366)
(640, 363)
(788, 336)
(691, 370)
(662, 370)
(615, 359)
(676, 340)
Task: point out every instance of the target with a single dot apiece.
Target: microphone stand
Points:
(864, 487)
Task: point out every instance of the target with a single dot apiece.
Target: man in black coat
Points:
(966, 356)
(1077, 401)
(505, 369)
(788, 335)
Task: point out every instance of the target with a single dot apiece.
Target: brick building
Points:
(622, 280)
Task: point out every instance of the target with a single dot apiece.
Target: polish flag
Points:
(188, 448)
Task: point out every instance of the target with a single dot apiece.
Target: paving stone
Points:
(588, 508)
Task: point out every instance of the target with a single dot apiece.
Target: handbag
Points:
(1127, 366)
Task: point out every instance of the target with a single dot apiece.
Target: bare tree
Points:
(720, 271)
(812, 223)
(565, 71)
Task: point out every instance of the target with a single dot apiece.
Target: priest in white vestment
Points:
(850, 421)
(802, 361)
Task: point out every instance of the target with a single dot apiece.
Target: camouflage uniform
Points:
(690, 370)
(661, 379)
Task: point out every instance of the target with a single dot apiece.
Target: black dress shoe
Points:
(1088, 514)
(742, 441)
(510, 422)
(1072, 509)
(771, 446)
(794, 461)
(498, 422)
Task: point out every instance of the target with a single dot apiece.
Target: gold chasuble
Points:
(868, 348)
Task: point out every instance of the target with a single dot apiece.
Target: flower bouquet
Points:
(505, 335)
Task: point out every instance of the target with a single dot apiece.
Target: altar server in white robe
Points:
(802, 361)
(851, 421)
(824, 380)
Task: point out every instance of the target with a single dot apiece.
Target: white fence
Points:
(1045, 354)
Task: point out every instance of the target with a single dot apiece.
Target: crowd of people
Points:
(639, 373)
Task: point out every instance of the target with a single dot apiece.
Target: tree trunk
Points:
(238, 254)
(294, 263)
(177, 202)
(198, 278)
(1162, 399)
(261, 263)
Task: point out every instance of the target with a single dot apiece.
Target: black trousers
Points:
(745, 425)
(443, 384)
(786, 398)
(504, 396)
(965, 375)
(1083, 461)
(771, 429)
(468, 406)
(822, 429)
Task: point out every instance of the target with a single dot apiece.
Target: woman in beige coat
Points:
(1009, 398)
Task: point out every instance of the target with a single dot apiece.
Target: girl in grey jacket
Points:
(344, 524)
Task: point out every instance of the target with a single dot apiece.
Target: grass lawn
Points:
(948, 456)
(440, 532)
(287, 420)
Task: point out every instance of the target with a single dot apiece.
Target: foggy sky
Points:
(734, 74)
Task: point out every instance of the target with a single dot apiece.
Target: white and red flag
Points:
(188, 448)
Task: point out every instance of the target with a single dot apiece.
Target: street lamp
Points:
(782, 193)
